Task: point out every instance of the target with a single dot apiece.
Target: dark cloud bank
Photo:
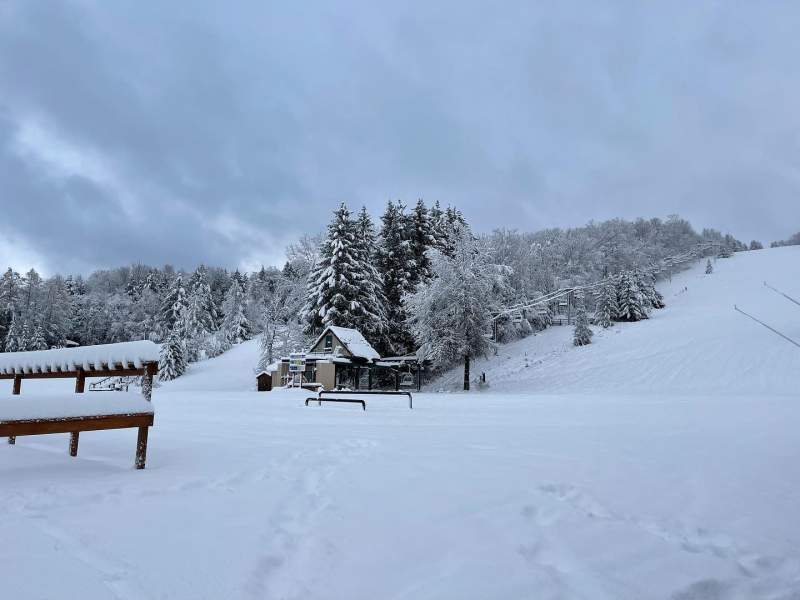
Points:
(213, 132)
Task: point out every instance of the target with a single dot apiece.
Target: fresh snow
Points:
(659, 462)
(353, 341)
(70, 359)
(697, 345)
(64, 405)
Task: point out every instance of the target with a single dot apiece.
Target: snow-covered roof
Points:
(352, 339)
(64, 406)
(124, 354)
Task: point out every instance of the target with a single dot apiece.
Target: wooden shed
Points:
(264, 380)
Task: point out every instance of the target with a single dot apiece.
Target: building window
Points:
(329, 342)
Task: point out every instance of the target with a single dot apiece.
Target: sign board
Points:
(297, 362)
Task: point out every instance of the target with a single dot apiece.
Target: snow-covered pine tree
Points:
(172, 361)
(173, 307)
(373, 323)
(336, 287)
(606, 309)
(631, 305)
(198, 323)
(38, 341)
(12, 339)
(451, 315)
(200, 295)
(422, 239)
(396, 265)
(235, 325)
(24, 339)
(437, 225)
(646, 282)
(582, 335)
(709, 267)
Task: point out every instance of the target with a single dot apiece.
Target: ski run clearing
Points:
(662, 461)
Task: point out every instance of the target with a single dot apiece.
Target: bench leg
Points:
(73, 443)
(12, 439)
(141, 448)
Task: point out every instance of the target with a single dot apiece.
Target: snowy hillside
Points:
(698, 344)
(659, 463)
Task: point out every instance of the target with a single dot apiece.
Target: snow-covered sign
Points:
(297, 362)
(108, 356)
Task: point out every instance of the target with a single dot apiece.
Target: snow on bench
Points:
(62, 406)
(72, 414)
(108, 357)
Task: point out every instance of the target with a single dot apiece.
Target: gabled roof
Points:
(351, 339)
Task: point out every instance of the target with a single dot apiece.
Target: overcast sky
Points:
(188, 132)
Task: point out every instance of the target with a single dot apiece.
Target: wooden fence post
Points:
(12, 439)
(141, 448)
(73, 443)
(80, 382)
(147, 383)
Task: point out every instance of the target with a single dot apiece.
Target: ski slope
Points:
(698, 345)
(659, 463)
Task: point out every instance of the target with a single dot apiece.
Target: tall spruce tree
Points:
(396, 264)
(582, 336)
(199, 319)
(173, 306)
(373, 323)
(12, 343)
(38, 341)
(172, 361)
(235, 325)
(606, 307)
(631, 304)
(422, 240)
(337, 288)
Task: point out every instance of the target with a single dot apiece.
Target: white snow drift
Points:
(659, 462)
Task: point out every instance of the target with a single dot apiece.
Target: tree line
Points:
(418, 280)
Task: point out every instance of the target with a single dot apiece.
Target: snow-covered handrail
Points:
(107, 357)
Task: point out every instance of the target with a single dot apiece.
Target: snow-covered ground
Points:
(660, 462)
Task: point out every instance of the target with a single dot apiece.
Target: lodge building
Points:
(342, 358)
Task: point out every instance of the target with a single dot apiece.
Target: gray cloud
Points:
(207, 133)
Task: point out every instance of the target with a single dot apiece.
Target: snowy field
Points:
(663, 461)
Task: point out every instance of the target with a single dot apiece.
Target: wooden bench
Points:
(112, 360)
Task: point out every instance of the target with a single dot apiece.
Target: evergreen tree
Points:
(38, 341)
(582, 335)
(341, 289)
(373, 323)
(24, 339)
(646, 282)
(172, 361)
(709, 267)
(235, 325)
(422, 240)
(606, 309)
(631, 304)
(202, 300)
(451, 315)
(12, 343)
(173, 306)
(396, 265)
(437, 226)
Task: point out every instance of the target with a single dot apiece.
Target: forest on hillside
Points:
(386, 279)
